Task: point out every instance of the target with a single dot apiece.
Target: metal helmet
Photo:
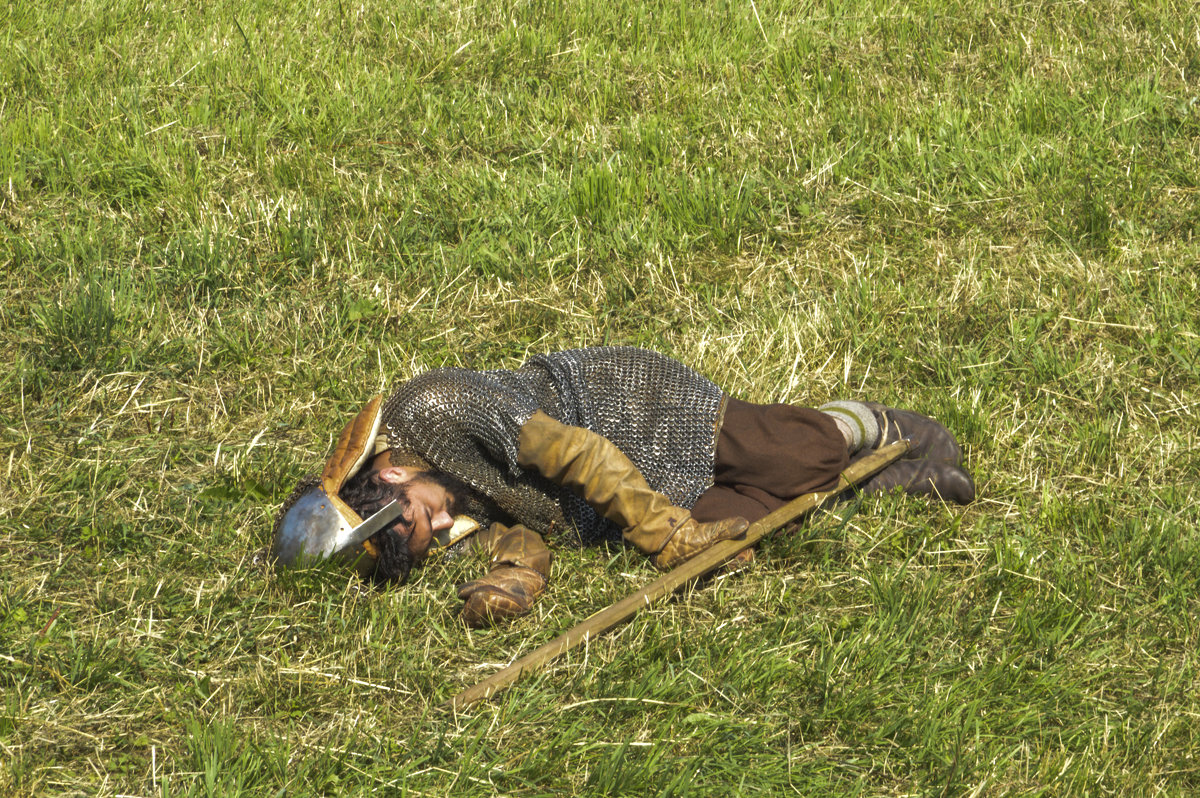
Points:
(318, 524)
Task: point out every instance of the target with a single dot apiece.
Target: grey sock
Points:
(856, 421)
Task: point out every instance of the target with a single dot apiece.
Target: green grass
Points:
(222, 229)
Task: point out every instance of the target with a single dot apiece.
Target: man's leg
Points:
(768, 455)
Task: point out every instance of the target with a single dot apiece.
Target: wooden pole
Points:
(671, 581)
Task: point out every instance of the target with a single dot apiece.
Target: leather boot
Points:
(929, 439)
(520, 569)
(924, 478)
(593, 467)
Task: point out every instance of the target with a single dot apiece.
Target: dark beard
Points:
(395, 560)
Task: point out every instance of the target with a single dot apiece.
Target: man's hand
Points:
(506, 592)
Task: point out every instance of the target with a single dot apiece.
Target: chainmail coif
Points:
(661, 414)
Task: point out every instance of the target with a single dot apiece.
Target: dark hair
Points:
(367, 494)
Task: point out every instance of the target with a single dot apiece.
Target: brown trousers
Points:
(768, 455)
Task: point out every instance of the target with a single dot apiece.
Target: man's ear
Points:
(397, 475)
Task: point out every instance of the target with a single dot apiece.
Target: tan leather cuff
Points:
(537, 434)
(602, 475)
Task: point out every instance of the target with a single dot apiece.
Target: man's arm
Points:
(600, 473)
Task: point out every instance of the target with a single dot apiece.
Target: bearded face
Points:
(427, 500)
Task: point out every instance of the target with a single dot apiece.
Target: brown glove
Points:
(593, 467)
(520, 568)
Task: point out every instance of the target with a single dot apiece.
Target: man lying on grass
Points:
(582, 446)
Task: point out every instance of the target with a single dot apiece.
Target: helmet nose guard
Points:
(319, 524)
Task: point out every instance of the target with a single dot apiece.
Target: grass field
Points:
(223, 227)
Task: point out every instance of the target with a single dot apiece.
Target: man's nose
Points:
(441, 521)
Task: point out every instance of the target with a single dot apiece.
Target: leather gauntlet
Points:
(520, 568)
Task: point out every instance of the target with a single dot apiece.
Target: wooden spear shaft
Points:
(671, 581)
